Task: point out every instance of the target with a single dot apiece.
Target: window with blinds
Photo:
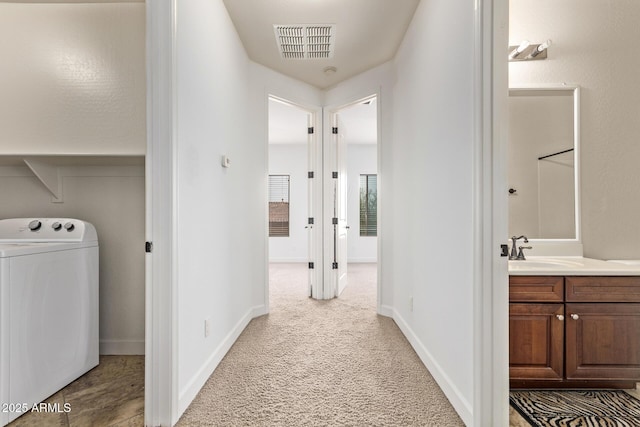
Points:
(278, 205)
(368, 205)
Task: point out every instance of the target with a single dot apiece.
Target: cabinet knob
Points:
(560, 316)
(575, 316)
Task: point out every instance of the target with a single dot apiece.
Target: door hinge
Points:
(335, 221)
(310, 174)
(334, 131)
(148, 247)
(334, 175)
(310, 221)
(334, 266)
(310, 130)
(311, 266)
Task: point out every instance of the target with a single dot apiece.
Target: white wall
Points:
(591, 49)
(77, 84)
(433, 138)
(213, 249)
(361, 159)
(221, 238)
(291, 159)
(426, 177)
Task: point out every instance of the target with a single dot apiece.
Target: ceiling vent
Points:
(308, 41)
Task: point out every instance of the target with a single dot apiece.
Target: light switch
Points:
(226, 162)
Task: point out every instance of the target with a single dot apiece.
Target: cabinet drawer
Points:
(603, 289)
(536, 288)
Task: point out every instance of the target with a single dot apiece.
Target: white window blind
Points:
(368, 205)
(279, 205)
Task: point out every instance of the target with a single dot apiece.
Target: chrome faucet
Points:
(520, 256)
(514, 252)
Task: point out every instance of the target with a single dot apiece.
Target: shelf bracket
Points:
(49, 175)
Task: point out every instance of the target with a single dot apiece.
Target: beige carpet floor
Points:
(321, 363)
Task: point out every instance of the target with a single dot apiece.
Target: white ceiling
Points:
(368, 33)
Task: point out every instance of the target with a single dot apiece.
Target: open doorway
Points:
(290, 197)
(351, 195)
(322, 197)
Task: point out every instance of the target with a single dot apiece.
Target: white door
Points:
(343, 226)
(314, 207)
(336, 212)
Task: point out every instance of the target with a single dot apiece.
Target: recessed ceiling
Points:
(365, 33)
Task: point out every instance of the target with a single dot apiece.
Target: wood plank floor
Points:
(111, 394)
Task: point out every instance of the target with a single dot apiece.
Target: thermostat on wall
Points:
(226, 162)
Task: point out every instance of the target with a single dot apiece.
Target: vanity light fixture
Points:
(518, 50)
(528, 52)
(541, 48)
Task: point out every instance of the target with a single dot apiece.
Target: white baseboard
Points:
(385, 310)
(460, 404)
(121, 347)
(194, 386)
(259, 311)
(362, 260)
(288, 260)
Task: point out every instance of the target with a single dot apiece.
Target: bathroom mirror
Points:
(543, 171)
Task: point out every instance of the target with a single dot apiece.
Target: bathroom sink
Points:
(570, 265)
(547, 263)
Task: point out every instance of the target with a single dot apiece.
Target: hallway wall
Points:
(433, 138)
(221, 212)
(425, 183)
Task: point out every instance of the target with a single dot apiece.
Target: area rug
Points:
(585, 408)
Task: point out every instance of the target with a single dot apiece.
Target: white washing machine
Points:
(48, 308)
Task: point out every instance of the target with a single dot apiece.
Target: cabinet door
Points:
(603, 341)
(536, 336)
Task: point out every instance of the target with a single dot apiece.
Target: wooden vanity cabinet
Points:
(602, 328)
(574, 331)
(536, 327)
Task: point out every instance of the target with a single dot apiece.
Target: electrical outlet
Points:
(207, 327)
(411, 304)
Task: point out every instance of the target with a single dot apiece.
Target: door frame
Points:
(315, 154)
(491, 289)
(161, 361)
(330, 113)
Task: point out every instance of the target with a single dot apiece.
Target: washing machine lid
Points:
(8, 250)
(46, 230)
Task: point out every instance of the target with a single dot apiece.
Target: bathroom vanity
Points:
(573, 322)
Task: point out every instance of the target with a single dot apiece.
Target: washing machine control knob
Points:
(35, 225)
(69, 226)
(56, 226)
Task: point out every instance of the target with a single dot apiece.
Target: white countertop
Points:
(572, 266)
